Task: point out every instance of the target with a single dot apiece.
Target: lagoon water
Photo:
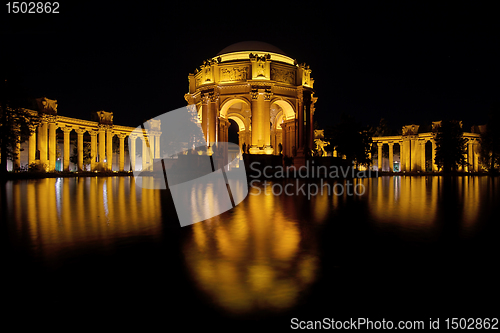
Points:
(105, 253)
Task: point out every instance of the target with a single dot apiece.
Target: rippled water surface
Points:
(89, 250)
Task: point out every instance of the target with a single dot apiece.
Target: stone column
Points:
(422, 155)
(121, 165)
(212, 120)
(52, 145)
(132, 142)
(145, 153)
(476, 156)
(32, 146)
(102, 146)
(109, 149)
(407, 154)
(391, 156)
(157, 146)
(413, 153)
(80, 132)
(256, 118)
(204, 116)
(42, 140)
(266, 115)
(93, 149)
(434, 165)
(300, 117)
(379, 164)
(470, 158)
(67, 131)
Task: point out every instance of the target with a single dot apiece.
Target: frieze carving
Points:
(234, 73)
(410, 129)
(283, 75)
(154, 124)
(103, 117)
(48, 106)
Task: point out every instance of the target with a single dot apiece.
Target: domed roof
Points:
(251, 46)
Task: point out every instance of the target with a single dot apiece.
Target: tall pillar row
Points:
(80, 132)
(52, 145)
(32, 146)
(93, 149)
(391, 156)
(132, 143)
(121, 163)
(109, 149)
(422, 154)
(379, 164)
(42, 140)
(66, 131)
(102, 146)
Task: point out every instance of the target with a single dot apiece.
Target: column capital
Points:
(66, 129)
(268, 94)
(121, 136)
(80, 131)
(254, 94)
(93, 132)
(380, 144)
(50, 118)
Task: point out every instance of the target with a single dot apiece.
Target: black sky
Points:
(411, 63)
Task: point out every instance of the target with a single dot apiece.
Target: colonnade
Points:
(42, 143)
(412, 150)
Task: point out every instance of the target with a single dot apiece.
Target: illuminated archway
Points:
(252, 85)
(283, 131)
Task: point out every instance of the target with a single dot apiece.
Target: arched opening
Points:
(282, 127)
(234, 105)
(428, 156)
(233, 130)
(396, 167)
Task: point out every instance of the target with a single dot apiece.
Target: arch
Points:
(239, 119)
(230, 102)
(286, 106)
(278, 121)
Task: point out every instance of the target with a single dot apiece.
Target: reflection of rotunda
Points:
(266, 93)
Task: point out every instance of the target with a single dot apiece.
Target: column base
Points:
(299, 160)
(255, 150)
(268, 150)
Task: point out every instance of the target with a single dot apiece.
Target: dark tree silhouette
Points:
(351, 139)
(16, 122)
(87, 154)
(490, 142)
(450, 146)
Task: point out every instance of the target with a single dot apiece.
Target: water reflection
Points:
(258, 256)
(416, 204)
(263, 255)
(55, 215)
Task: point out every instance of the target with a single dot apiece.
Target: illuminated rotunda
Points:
(268, 94)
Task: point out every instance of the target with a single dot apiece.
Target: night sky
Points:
(410, 64)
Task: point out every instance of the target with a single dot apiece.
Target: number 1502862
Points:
(32, 7)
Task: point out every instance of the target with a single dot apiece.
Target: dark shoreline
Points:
(42, 175)
(374, 174)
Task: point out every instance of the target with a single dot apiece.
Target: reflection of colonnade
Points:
(54, 214)
(42, 142)
(266, 93)
(412, 149)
